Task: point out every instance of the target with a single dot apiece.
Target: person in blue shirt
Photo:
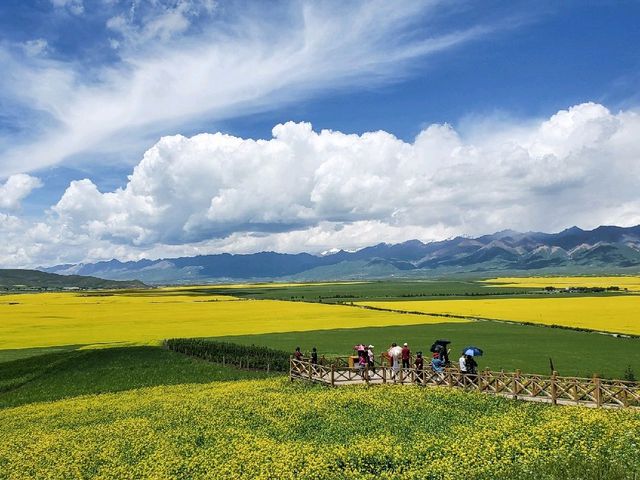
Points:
(437, 364)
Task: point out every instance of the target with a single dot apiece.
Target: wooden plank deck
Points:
(553, 389)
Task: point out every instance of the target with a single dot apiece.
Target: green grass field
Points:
(88, 372)
(506, 346)
(379, 290)
(363, 291)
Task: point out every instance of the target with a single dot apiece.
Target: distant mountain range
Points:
(605, 249)
(18, 280)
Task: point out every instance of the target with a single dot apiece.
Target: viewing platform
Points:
(553, 389)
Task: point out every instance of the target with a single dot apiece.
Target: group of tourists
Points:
(400, 357)
(313, 357)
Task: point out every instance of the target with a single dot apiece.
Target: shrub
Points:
(249, 356)
(629, 376)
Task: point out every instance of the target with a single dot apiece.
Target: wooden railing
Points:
(554, 389)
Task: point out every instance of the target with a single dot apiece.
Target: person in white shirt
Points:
(394, 353)
(463, 364)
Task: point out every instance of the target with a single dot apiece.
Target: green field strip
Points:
(507, 346)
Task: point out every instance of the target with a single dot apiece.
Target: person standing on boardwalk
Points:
(406, 355)
(395, 352)
(419, 364)
(372, 359)
(462, 363)
(437, 364)
(314, 356)
(471, 364)
(297, 354)
(362, 364)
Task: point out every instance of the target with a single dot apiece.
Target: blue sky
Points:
(90, 86)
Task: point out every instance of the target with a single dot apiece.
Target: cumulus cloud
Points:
(15, 189)
(173, 68)
(306, 190)
(301, 186)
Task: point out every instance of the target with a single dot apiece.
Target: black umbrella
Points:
(440, 345)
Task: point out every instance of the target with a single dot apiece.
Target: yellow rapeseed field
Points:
(272, 429)
(619, 314)
(51, 319)
(630, 283)
(232, 286)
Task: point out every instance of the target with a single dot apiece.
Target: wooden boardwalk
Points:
(554, 389)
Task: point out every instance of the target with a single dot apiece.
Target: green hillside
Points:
(18, 280)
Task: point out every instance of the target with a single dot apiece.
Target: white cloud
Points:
(220, 69)
(311, 191)
(160, 23)
(35, 47)
(15, 189)
(74, 6)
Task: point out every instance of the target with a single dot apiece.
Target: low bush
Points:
(248, 356)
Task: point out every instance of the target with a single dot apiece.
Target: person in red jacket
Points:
(406, 356)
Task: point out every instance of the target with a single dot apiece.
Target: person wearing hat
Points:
(372, 358)
(437, 364)
(406, 355)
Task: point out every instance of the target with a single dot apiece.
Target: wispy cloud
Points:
(75, 7)
(174, 69)
(35, 47)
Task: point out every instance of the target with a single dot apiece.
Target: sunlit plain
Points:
(630, 283)
(40, 320)
(232, 286)
(618, 314)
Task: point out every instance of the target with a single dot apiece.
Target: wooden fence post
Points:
(597, 390)
(554, 388)
(514, 384)
(384, 373)
(366, 374)
(333, 374)
(290, 367)
(310, 370)
(449, 379)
